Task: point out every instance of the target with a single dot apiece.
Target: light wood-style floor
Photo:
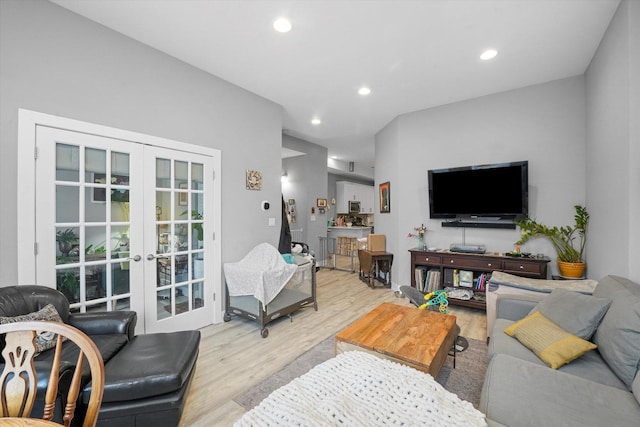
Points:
(233, 357)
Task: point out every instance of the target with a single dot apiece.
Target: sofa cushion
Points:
(501, 343)
(554, 345)
(108, 346)
(150, 365)
(635, 387)
(574, 312)
(519, 393)
(44, 340)
(590, 366)
(618, 335)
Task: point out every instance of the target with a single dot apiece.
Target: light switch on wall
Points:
(272, 222)
(313, 217)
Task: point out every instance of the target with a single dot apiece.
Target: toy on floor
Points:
(437, 297)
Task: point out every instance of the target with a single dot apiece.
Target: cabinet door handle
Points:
(522, 267)
(452, 261)
(489, 265)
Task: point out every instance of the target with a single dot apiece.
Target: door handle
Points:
(151, 257)
(135, 258)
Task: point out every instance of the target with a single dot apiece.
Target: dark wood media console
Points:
(444, 260)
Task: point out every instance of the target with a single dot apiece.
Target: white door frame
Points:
(28, 121)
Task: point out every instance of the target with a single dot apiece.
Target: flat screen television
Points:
(497, 191)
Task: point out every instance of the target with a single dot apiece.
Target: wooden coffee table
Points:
(417, 338)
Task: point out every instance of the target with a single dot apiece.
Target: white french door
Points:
(179, 238)
(122, 225)
(89, 219)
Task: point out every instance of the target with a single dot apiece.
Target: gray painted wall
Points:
(56, 62)
(581, 136)
(613, 148)
(544, 124)
(307, 182)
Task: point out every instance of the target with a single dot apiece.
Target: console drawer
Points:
(428, 259)
(480, 264)
(516, 267)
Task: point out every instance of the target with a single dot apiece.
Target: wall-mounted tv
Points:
(493, 192)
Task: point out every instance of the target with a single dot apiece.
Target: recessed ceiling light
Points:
(488, 54)
(282, 25)
(364, 91)
(316, 121)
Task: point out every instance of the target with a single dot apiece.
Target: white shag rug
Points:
(359, 389)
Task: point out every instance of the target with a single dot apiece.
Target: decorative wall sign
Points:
(385, 197)
(322, 205)
(254, 180)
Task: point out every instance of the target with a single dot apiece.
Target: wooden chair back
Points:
(18, 382)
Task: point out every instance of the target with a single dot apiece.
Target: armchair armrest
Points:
(516, 307)
(105, 322)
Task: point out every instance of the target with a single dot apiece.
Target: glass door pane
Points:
(179, 236)
(84, 248)
(180, 240)
(92, 227)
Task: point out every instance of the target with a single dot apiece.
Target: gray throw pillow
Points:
(574, 312)
(618, 335)
(44, 340)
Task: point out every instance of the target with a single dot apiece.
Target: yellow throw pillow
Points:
(552, 344)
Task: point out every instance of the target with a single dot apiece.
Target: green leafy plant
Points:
(69, 284)
(66, 239)
(97, 250)
(569, 242)
(195, 215)
(121, 239)
(66, 236)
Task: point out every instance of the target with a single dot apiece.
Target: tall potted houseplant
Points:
(569, 242)
(66, 240)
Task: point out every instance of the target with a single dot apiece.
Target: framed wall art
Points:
(385, 197)
(183, 196)
(254, 180)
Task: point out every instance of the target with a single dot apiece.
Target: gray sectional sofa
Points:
(599, 388)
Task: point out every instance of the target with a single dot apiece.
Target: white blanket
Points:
(262, 273)
(542, 285)
(359, 389)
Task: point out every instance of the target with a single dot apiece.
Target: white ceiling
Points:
(412, 54)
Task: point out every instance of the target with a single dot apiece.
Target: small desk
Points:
(417, 338)
(372, 263)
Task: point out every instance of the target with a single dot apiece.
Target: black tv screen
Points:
(499, 191)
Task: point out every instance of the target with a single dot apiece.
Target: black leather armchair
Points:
(146, 376)
(19, 300)
(110, 330)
